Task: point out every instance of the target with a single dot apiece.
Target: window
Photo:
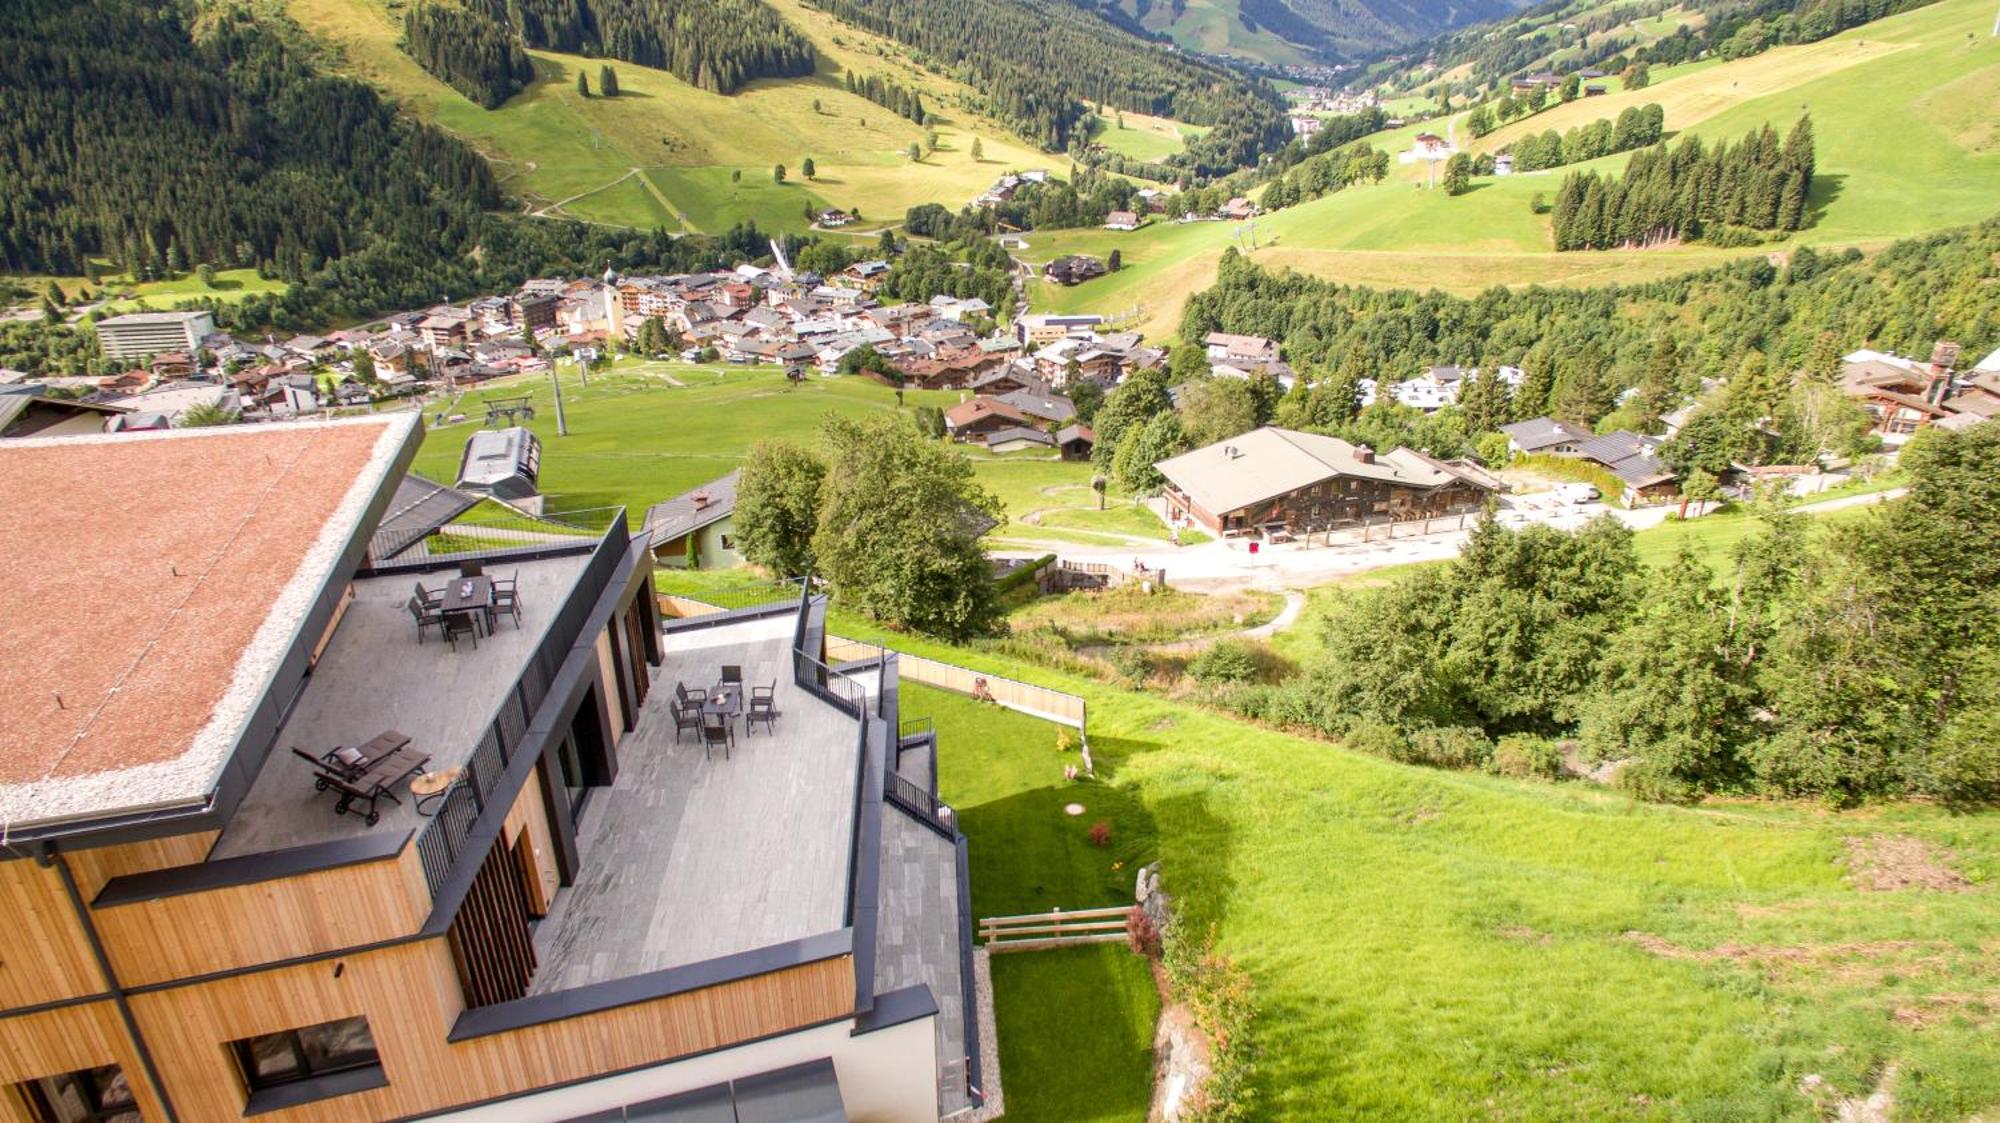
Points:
(98, 1095)
(729, 542)
(301, 1054)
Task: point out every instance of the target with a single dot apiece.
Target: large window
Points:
(301, 1054)
(99, 1095)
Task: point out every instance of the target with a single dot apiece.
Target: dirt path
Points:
(1295, 605)
(645, 181)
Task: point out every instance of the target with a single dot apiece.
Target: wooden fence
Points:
(1058, 929)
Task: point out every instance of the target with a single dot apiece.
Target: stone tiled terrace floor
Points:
(917, 937)
(688, 855)
(375, 676)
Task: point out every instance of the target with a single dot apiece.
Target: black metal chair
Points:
(458, 624)
(694, 697)
(686, 718)
(732, 675)
(426, 616)
(716, 730)
(430, 598)
(763, 707)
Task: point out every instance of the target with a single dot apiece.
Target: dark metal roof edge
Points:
(249, 869)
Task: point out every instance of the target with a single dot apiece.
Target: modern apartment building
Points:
(137, 335)
(273, 848)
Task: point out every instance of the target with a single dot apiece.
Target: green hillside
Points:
(662, 152)
(1904, 111)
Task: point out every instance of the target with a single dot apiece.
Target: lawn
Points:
(1076, 1034)
(569, 154)
(1141, 137)
(1438, 945)
(636, 439)
(231, 285)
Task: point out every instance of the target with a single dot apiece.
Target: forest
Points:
(134, 140)
(472, 54)
(1724, 194)
(1043, 64)
(1858, 662)
(1639, 126)
(714, 45)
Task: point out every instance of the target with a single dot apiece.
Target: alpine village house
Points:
(316, 810)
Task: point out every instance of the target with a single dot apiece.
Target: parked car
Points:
(1578, 493)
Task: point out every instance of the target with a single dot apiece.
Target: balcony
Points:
(689, 856)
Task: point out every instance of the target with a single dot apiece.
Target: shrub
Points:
(1224, 662)
(1100, 834)
(1133, 664)
(1527, 757)
(1022, 575)
(1376, 738)
(1142, 934)
(1450, 746)
(1222, 1002)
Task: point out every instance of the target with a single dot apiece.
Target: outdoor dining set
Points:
(466, 607)
(712, 711)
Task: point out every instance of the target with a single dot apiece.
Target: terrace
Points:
(689, 855)
(374, 676)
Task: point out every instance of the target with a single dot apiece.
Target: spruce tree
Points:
(582, 83)
(607, 81)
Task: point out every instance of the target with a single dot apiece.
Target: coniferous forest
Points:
(715, 45)
(1721, 194)
(474, 55)
(132, 138)
(1044, 64)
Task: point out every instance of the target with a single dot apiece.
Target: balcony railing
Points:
(489, 529)
(443, 840)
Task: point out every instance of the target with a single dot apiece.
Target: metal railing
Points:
(922, 805)
(915, 727)
(443, 839)
(489, 529)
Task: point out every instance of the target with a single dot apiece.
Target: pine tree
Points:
(978, 153)
(607, 81)
(582, 83)
(807, 169)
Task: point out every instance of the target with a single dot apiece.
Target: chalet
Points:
(1073, 269)
(697, 530)
(951, 370)
(1225, 347)
(1503, 164)
(1238, 209)
(444, 327)
(1273, 480)
(1079, 359)
(1427, 148)
(1006, 380)
(303, 857)
(1595, 89)
(834, 217)
(868, 274)
(1305, 125)
(169, 365)
(1019, 438)
(1902, 395)
(1121, 220)
(1544, 434)
(975, 420)
(1051, 410)
(1075, 442)
(1038, 328)
(1632, 458)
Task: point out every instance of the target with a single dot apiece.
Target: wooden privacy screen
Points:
(489, 937)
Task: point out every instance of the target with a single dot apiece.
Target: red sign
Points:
(1253, 547)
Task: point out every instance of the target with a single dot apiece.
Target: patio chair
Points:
(732, 675)
(430, 598)
(717, 732)
(506, 599)
(458, 624)
(693, 697)
(686, 718)
(426, 616)
(763, 707)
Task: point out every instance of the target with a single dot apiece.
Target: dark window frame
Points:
(306, 1067)
(94, 1086)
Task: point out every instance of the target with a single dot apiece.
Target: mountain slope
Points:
(1284, 32)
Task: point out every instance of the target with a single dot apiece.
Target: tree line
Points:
(900, 100)
(1042, 64)
(472, 54)
(1638, 126)
(1750, 322)
(714, 45)
(1722, 194)
(1859, 662)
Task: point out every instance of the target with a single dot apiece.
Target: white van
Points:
(1578, 493)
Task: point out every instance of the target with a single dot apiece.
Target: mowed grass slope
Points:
(1431, 945)
(1906, 115)
(637, 439)
(662, 152)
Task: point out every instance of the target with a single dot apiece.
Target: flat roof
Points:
(157, 581)
(156, 318)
